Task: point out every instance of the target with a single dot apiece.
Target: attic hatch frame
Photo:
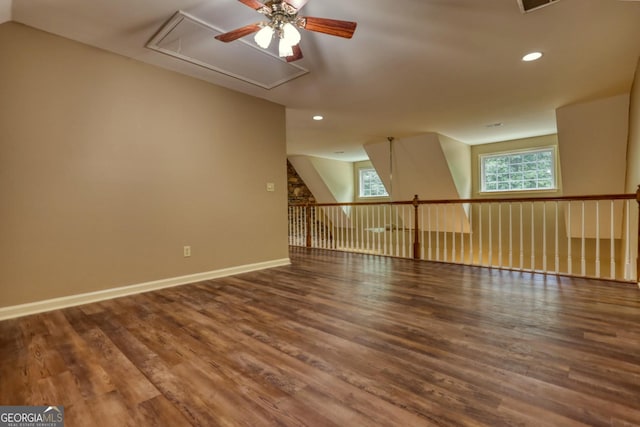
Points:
(527, 6)
(263, 58)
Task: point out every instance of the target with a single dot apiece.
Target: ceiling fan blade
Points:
(253, 4)
(297, 54)
(238, 33)
(332, 27)
(298, 4)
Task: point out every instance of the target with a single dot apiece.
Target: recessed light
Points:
(533, 56)
(318, 118)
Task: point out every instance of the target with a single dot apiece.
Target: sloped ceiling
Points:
(413, 66)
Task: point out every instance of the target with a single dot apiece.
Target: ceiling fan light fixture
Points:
(264, 36)
(285, 49)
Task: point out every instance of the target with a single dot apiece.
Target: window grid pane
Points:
(532, 170)
(371, 185)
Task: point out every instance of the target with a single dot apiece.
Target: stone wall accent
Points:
(298, 190)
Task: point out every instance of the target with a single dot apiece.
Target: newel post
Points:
(308, 224)
(416, 231)
(638, 241)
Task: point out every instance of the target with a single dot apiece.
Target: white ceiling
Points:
(413, 66)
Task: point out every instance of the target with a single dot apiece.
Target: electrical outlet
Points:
(186, 251)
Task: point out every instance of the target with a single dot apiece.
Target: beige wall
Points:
(420, 166)
(593, 142)
(108, 167)
(5, 10)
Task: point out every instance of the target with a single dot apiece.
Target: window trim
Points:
(360, 187)
(554, 153)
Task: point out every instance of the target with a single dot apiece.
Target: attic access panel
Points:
(190, 39)
(531, 5)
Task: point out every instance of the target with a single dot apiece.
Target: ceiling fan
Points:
(283, 24)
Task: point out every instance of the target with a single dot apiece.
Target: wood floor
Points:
(338, 339)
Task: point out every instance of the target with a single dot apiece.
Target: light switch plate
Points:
(271, 186)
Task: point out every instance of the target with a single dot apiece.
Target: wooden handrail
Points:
(416, 226)
(631, 196)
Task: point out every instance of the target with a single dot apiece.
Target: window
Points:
(370, 184)
(519, 170)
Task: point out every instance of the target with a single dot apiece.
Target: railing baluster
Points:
(384, 226)
(480, 242)
(303, 226)
(397, 232)
(627, 251)
(422, 232)
(490, 235)
(367, 230)
(510, 235)
(462, 233)
(557, 245)
(377, 227)
(444, 231)
(499, 235)
(429, 227)
(583, 261)
(453, 234)
(437, 232)
(404, 243)
(597, 238)
(337, 227)
(569, 241)
(471, 234)
(533, 238)
(521, 238)
(544, 236)
(612, 251)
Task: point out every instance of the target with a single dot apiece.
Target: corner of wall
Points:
(5, 11)
(430, 165)
(330, 181)
(458, 156)
(592, 143)
(633, 143)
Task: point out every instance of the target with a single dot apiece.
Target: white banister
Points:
(483, 232)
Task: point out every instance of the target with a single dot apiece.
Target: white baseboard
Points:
(79, 299)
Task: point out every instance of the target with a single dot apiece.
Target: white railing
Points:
(591, 236)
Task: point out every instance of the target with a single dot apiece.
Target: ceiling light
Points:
(533, 56)
(290, 34)
(318, 118)
(264, 36)
(285, 49)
